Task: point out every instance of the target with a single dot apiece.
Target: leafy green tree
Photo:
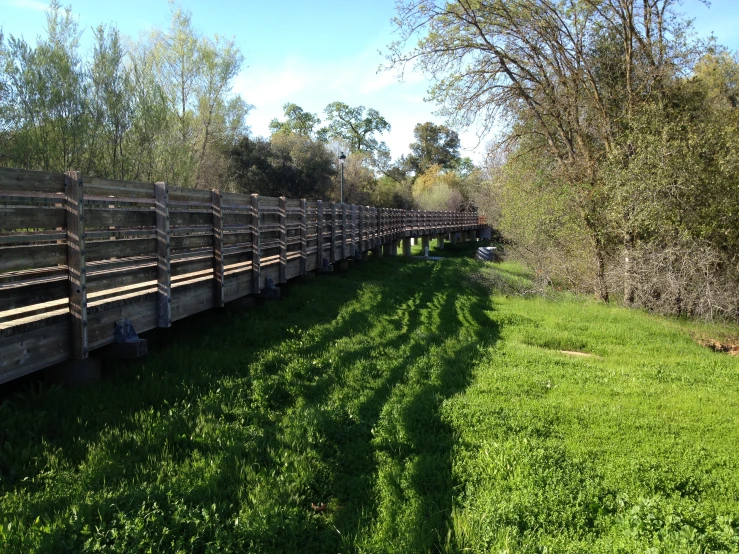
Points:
(567, 76)
(287, 165)
(46, 99)
(111, 105)
(434, 145)
(297, 121)
(355, 126)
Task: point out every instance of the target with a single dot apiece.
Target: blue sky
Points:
(311, 52)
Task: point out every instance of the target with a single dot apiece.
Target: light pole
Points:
(342, 159)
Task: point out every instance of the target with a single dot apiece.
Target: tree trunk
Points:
(602, 292)
(629, 290)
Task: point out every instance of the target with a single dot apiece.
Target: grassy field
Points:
(402, 407)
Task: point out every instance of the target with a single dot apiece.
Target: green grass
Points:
(425, 412)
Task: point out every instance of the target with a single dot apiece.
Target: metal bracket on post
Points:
(270, 291)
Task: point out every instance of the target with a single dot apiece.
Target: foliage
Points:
(157, 109)
(355, 126)
(446, 189)
(567, 77)
(297, 121)
(425, 414)
(434, 145)
(287, 165)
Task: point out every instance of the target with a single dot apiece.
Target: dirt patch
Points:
(575, 353)
(716, 346)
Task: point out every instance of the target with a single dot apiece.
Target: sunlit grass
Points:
(401, 407)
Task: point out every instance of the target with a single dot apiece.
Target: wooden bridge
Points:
(76, 256)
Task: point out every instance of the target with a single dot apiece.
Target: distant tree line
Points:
(616, 165)
(161, 108)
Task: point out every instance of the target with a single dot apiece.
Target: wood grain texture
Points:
(256, 245)
(164, 262)
(219, 266)
(76, 257)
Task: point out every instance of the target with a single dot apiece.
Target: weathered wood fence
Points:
(75, 256)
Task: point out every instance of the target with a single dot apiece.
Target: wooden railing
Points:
(76, 255)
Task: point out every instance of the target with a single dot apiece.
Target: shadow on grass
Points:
(209, 419)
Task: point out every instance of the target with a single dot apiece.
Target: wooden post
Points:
(256, 246)
(218, 264)
(76, 263)
(319, 234)
(303, 236)
(378, 220)
(283, 239)
(344, 232)
(332, 259)
(357, 231)
(362, 244)
(164, 269)
(406, 246)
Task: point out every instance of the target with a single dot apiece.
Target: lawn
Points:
(404, 406)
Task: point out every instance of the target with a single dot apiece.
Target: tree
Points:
(287, 165)
(355, 126)
(567, 76)
(46, 103)
(434, 145)
(110, 105)
(297, 121)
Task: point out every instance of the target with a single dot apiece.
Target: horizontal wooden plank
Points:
(14, 258)
(189, 219)
(236, 198)
(293, 268)
(179, 194)
(31, 237)
(268, 202)
(31, 350)
(33, 308)
(141, 311)
(237, 285)
(189, 265)
(31, 217)
(26, 180)
(100, 282)
(101, 217)
(17, 295)
(119, 248)
(230, 219)
(190, 300)
(272, 271)
(107, 187)
(191, 241)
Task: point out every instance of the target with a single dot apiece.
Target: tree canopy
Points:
(434, 145)
(297, 121)
(355, 126)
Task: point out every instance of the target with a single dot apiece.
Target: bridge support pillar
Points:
(394, 248)
(440, 241)
(407, 246)
(424, 244)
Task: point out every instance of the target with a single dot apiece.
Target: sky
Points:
(313, 52)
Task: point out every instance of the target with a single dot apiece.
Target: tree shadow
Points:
(209, 363)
